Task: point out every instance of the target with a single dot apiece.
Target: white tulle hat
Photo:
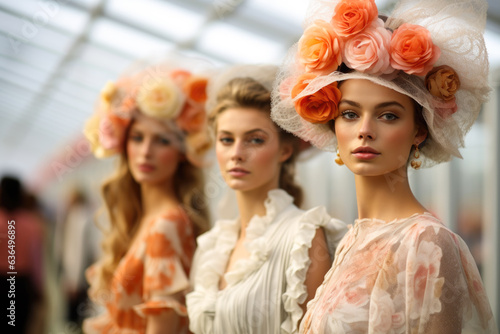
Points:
(430, 50)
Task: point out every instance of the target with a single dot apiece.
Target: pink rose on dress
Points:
(423, 282)
(368, 51)
(320, 48)
(381, 312)
(412, 49)
(352, 16)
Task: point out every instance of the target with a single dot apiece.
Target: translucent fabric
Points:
(406, 276)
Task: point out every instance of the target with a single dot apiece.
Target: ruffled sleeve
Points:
(296, 293)
(210, 260)
(165, 277)
(443, 287)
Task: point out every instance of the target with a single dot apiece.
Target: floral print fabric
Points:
(151, 277)
(406, 276)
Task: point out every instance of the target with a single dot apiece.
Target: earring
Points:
(339, 159)
(415, 163)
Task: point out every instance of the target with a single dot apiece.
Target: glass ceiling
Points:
(56, 55)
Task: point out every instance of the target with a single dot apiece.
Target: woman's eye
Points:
(225, 140)
(349, 114)
(257, 141)
(164, 141)
(389, 117)
(136, 138)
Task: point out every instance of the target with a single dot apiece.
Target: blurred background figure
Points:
(76, 246)
(20, 210)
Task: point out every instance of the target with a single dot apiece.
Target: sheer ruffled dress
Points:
(151, 277)
(265, 290)
(407, 276)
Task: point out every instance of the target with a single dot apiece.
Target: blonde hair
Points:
(249, 93)
(122, 202)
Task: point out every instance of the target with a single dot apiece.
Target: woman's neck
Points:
(386, 197)
(249, 205)
(157, 198)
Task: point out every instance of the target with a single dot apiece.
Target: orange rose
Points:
(442, 82)
(320, 48)
(192, 117)
(353, 16)
(318, 107)
(412, 49)
(180, 76)
(196, 88)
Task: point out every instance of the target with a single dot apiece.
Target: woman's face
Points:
(376, 128)
(152, 150)
(248, 150)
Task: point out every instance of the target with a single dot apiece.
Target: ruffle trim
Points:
(217, 245)
(296, 292)
(154, 307)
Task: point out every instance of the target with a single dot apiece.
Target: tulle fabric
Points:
(151, 277)
(265, 290)
(406, 276)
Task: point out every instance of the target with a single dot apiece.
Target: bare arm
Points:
(320, 264)
(167, 322)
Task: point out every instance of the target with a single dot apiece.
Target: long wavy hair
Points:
(125, 211)
(248, 93)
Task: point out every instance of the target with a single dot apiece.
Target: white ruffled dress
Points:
(265, 290)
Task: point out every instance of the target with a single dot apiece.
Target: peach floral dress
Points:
(410, 275)
(151, 277)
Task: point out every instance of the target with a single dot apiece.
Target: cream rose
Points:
(160, 98)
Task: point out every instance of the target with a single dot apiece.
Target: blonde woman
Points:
(155, 120)
(388, 95)
(255, 273)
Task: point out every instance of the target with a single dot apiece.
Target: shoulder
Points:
(170, 221)
(428, 227)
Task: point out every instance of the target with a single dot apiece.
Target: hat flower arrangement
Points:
(426, 57)
(173, 95)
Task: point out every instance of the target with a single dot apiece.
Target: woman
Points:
(388, 95)
(254, 274)
(155, 120)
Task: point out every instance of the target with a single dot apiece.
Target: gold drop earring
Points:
(415, 163)
(338, 160)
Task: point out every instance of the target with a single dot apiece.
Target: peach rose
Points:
(412, 49)
(368, 51)
(192, 118)
(318, 107)
(320, 48)
(442, 82)
(353, 16)
(196, 88)
(161, 99)
(180, 76)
